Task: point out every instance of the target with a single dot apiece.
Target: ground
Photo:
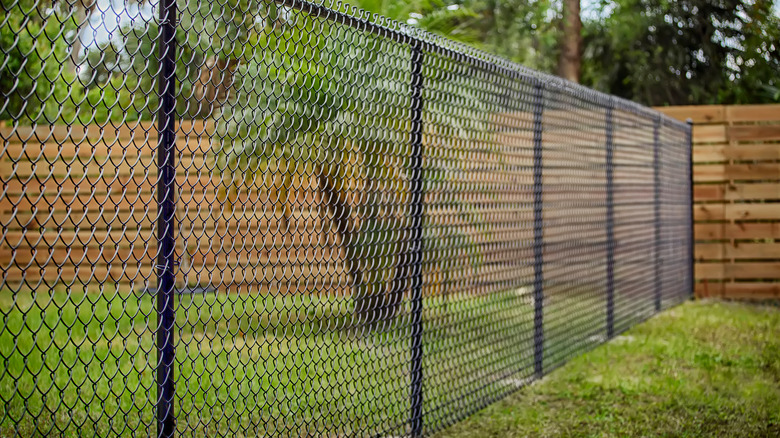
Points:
(249, 365)
(703, 369)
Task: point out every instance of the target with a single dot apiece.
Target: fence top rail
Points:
(360, 19)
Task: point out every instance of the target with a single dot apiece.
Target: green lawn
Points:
(703, 369)
(263, 365)
(246, 364)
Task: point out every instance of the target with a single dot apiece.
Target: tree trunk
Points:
(214, 84)
(401, 278)
(571, 42)
(374, 300)
(339, 207)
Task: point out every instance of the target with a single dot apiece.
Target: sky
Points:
(110, 15)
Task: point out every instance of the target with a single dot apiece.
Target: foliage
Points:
(652, 51)
(33, 82)
(298, 111)
(685, 52)
(287, 117)
(525, 31)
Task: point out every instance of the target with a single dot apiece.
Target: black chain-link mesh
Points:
(248, 218)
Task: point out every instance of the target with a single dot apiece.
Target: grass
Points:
(246, 365)
(698, 370)
(262, 365)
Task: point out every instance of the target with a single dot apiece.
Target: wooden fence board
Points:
(710, 134)
(709, 173)
(707, 289)
(709, 212)
(720, 251)
(753, 113)
(752, 290)
(769, 191)
(738, 271)
(737, 158)
(752, 211)
(753, 172)
(737, 231)
(709, 154)
(745, 152)
(699, 114)
(754, 133)
(745, 191)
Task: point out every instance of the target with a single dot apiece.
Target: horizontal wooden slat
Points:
(753, 171)
(754, 133)
(717, 251)
(752, 291)
(709, 154)
(710, 251)
(753, 270)
(738, 271)
(753, 113)
(710, 271)
(752, 211)
(708, 212)
(739, 231)
(737, 192)
(752, 152)
(708, 192)
(748, 152)
(746, 172)
(709, 173)
(706, 289)
(144, 167)
(699, 114)
(117, 151)
(752, 191)
(62, 133)
(709, 134)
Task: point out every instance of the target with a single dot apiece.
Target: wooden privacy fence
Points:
(79, 210)
(79, 204)
(737, 194)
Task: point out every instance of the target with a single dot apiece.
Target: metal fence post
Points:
(657, 210)
(166, 217)
(691, 237)
(610, 222)
(416, 189)
(538, 232)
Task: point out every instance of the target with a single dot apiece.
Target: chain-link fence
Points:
(254, 218)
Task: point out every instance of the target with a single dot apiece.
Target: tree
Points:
(522, 30)
(32, 83)
(299, 110)
(685, 52)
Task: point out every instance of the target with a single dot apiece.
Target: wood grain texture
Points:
(80, 202)
(737, 194)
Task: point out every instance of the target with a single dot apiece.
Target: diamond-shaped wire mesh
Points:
(255, 218)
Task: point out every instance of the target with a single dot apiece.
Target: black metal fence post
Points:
(691, 237)
(538, 232)
(166, 217)
(416, 189)
(657, 211)
(610, 221)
